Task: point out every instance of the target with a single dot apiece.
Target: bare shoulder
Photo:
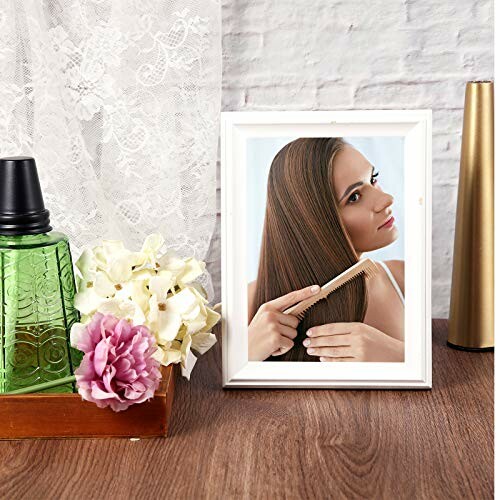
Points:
(397, 268)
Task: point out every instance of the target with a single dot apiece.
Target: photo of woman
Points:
(325, 210)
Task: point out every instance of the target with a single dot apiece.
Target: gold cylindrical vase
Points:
(471, 301)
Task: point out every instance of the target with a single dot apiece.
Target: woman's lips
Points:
(388, 224)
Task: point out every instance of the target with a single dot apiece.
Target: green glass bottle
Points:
(37, 285)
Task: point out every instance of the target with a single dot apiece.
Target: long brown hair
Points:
(304, 239)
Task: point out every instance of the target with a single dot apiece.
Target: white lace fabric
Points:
(118, 102)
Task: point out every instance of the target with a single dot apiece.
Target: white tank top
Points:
(393, 281)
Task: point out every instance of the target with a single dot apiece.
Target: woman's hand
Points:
(352, 342)
(271, 332)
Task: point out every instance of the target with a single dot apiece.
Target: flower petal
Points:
(87, 301)
(79, 337)
(170, 356)
(103, 286)
(193, 314)
(98, 393)
(168, 326)
(158, 354)
(192, 269)
(101, 357)
(161, 284)
(152, 314)
(182, 302)
(140, 293)
(87, 265)
(188, 365)
(123, 309)
(196, 324)
(202, 342)
(188, 359)
(213, 318)
(199, 289)
(172, 262)
(153, 243)
(120, 267)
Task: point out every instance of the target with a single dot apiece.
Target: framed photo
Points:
(306, 196)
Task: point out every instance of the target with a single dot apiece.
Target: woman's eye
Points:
(350, 199)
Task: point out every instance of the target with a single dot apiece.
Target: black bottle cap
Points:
(22, 210)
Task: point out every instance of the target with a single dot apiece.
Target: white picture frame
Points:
(416, 128)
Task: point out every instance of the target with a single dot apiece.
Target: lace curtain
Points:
(118, 101)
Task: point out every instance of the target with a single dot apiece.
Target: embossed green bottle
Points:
(37, 285)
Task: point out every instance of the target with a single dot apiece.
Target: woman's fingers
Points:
(285, 345)
(285, 301)
(287, 331)
(288, 319)
(332, 329)
(331, 352)
(328, 340)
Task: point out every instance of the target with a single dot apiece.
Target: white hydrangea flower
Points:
(156, 291)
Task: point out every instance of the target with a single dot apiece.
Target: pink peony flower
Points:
(118, 368)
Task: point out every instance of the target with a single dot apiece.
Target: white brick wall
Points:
(363, 54)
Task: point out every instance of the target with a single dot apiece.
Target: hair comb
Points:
(365, 266)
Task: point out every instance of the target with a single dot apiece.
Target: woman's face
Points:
(363, 205)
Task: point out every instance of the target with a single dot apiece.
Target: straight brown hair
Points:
(304, 240)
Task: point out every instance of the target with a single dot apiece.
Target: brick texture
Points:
(367, 54)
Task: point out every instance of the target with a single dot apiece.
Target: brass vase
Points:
(471, 301)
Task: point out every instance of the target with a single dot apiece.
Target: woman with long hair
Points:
(325, 208)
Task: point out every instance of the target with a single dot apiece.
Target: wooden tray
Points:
(67, 415)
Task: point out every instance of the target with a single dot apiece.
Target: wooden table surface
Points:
(280, 443)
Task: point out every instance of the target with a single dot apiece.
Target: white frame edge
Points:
(237, 371)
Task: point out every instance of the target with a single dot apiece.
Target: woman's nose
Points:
(384, 200)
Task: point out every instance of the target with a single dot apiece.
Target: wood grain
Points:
(66, 415)
(282, 443)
